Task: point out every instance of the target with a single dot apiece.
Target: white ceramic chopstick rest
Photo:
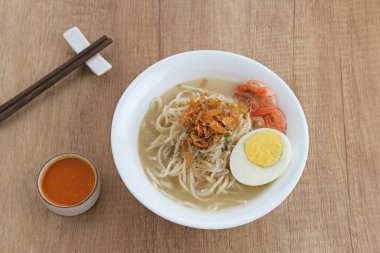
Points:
(78, 42)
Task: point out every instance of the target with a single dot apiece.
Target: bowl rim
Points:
(188, 222)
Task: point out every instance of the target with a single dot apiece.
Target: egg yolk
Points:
(264, 149)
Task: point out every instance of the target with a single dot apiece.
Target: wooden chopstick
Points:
(17, 102)
(48, 76)
(9, 103)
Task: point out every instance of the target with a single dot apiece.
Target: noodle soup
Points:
(183, 167)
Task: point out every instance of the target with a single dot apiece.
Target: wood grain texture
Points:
(327, 51)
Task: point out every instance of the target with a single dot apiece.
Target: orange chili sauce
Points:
(68, 181)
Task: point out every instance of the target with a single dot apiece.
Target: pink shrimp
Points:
(255, 94)
(273, 118)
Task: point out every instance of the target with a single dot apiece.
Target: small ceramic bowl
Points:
(75, 209)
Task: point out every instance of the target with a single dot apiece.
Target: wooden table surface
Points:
(327, 51)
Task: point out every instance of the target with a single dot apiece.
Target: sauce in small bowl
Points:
(69, 184)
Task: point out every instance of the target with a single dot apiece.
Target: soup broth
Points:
(170, 186)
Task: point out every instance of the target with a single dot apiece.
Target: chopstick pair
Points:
(30, 93)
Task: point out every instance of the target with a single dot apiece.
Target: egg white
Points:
(250, 174)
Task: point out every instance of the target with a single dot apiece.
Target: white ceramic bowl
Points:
(165, 74)
(71, 210)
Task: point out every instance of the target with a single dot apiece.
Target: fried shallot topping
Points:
(206, 120)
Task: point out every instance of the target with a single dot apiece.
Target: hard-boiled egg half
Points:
(260, 156)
